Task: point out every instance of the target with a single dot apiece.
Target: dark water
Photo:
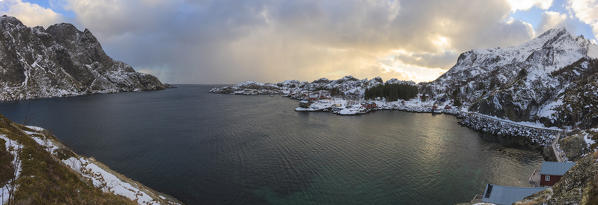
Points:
(221, 149)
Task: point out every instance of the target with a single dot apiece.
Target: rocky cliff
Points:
(60, 61)
(541, 80)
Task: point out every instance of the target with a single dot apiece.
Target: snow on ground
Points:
(547, 110)
(46, 143)
(13, 147)
(589, 140)
(593, 51)
(37, 129)
(537, 125)
(93, 171)
(352, 107)
(587, 137)
(352, 110)
(107, 181)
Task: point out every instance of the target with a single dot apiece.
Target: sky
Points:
(229, 41)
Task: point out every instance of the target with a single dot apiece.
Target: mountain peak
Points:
(76, 58)
(550, 51)
(556, 30)
(11, 20)
(552, 35)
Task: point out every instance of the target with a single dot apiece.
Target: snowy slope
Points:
(522, 83)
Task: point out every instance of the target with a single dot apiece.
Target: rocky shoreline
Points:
(500, 127)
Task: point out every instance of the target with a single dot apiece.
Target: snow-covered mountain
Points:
(551, 79)
(535, 81)
(60, 61)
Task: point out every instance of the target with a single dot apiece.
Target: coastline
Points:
(533, 132)
(518, 134)
(103, 92)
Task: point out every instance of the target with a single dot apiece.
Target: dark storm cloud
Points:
(212, 41)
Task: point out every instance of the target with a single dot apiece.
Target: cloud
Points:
(528, 4)
(429, 60)
(208, 41)
(116, 17)
(551, 19)
(30, 14)
(586, 11)
(394, 65)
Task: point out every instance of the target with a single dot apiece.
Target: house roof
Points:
(556, 168)
(507, 194)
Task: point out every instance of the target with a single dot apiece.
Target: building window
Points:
(547, 178)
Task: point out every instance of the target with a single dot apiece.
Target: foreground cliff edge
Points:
(60, 61)
(35, 168)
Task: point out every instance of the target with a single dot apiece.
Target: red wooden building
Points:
(551, 172)
(371, 105)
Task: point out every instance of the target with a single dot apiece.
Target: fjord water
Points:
(221, 149)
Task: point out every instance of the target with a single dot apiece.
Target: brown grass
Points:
(44, 180)
(6, 168)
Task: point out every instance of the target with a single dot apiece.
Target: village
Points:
(323, 101)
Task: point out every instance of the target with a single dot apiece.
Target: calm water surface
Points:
(222, 149)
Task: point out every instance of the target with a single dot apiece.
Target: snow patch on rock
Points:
(593, 51)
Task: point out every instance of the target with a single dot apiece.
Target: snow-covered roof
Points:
(507, 194)
(556, 168)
